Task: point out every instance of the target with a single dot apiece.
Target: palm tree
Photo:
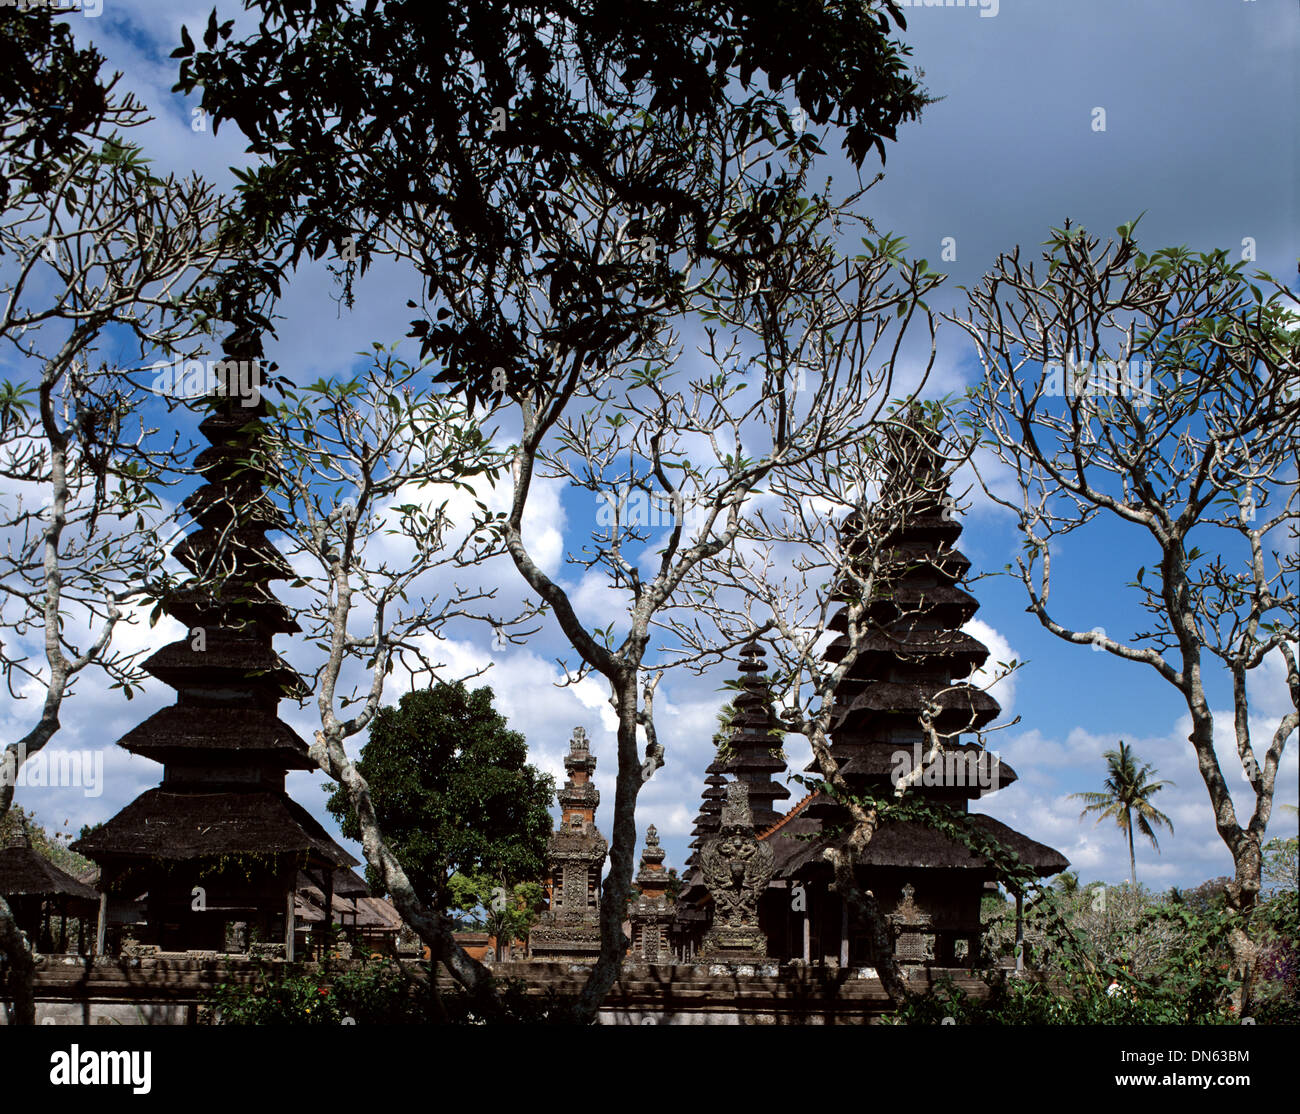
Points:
(1067, 882)
(1127, 792)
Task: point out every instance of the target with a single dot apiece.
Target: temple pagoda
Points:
(753, 749)
(570, 927)
(708, 820)
(913, 655)
(217, 848)
(750, 752)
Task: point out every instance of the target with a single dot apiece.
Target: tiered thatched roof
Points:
(225, 750)
(912, 653)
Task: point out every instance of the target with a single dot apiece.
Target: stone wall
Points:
(169, 990)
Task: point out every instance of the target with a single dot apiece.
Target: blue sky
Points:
(1200, 107)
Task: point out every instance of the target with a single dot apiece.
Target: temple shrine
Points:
(213, 856)
(916, 657)
(570, 928)
(219, 855)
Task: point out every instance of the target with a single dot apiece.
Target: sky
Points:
(1199, 104)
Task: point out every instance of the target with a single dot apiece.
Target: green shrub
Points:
(376, 992)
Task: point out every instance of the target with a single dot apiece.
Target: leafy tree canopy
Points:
(452, 792)
(457, 136)
(51, 98)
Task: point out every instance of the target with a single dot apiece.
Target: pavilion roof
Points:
(24, 870)
(163, 825)
(906, 844)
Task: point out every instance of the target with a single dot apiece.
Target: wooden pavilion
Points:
(38, 892)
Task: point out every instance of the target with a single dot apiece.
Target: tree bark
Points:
(617, 887)
(1132, 858)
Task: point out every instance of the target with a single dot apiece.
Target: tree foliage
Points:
(1157, 392)
(452, 792)
(461, 137)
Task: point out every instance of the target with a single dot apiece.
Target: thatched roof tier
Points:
(225, 734)
(350, 897)
(932, 527)
(377, 912)
(26, 871)
(251, 604)
(926, 523)
(962, 707)
(965, 764)
(230, 420)
(246, 504)
(907, 844)
(186, 826)
(945, 603)
(878, 649)
(919, 558)
(761, 763)
(715, 785)
(256, 557)
(347, 883)
(227, 658)
(358, 912)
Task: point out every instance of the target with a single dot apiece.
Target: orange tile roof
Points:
(798, 808)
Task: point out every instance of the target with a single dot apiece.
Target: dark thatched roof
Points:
(226, 657)
(247, 734)
(940, 601)
(163, 825)
(906, 844)
(25, 871)
(955, 645)
(347, 883)
(972, 707)
(963, 764)
(358, 912)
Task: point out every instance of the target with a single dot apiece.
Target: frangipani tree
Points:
(702, 445)
(1158, 392)
(362, 469)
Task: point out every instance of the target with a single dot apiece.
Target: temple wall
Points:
(168, 990)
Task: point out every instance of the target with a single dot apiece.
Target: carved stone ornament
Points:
(736, 869)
